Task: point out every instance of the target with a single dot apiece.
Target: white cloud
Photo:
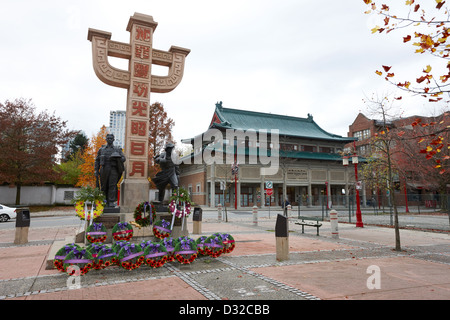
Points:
(287, 57)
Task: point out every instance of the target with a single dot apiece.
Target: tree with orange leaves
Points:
(87, 176)
(160, 132)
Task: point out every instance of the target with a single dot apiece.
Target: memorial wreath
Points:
(185, 250)
(94, 197)
(131, 256)
(227, 241)
(122, 231)
(161, 229)
(200, 245)
(180, 203)
(213, 246)
(94, 249)
(95, 233)
(155, 255)
(169, 244)
(61, 255)
(81, 258)
(107, 257)
(140, 214)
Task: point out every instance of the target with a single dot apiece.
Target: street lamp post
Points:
(359, 222)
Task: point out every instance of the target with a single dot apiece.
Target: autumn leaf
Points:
(440, 4)
(390, 75)
(416, 7)
(386, 68)
(428, 69)
(407, 38)
(421, 79)
(379, 73)
(367, 1)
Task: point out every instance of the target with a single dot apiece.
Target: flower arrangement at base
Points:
(227, 241)
(107, 257)
(169, 244)
(116, 247)
(94, 250)
(160, 229)
(155, 255)
(122, 231)
(185, 250)
(180, 203)
(61, 255)
(144, 214)
(96, 233)
(80, 258)
(200, 245)
(213, 246)
(92, 196)
(131, 256)
(80, 207)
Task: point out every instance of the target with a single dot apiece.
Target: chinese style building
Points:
(299, 159)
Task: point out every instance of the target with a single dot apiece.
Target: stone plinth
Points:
(21, 236)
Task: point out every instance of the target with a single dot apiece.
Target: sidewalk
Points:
(319, 267)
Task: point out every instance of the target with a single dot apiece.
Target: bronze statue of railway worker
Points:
(109, 168)
(169, 173)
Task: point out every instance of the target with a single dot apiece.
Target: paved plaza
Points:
(360, 265)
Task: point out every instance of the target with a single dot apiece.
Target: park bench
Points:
(311, 222)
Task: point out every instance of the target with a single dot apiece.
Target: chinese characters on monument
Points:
(139, 83)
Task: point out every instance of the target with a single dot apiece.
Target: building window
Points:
(325, 149)
(362, 135)
(363, 149)
(288, 147)
(309, 148)
(198, 188)
(68, 195)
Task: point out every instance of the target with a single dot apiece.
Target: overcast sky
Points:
(290, 57)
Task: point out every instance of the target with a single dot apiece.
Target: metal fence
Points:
(416, 203)
(415, 210)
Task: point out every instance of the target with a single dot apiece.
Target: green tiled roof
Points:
(288, 126)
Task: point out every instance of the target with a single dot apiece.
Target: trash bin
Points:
(197, 219)
(22, 225)
(22, 217)
(197, 214)
(282, 238)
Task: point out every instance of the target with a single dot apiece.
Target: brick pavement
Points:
(318, 268)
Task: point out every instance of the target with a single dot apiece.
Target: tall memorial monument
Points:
(139, 82)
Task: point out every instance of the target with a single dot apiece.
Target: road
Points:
(42, 222)
(424, 221)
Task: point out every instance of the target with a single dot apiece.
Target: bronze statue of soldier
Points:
(109, 166)
(169, 173)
